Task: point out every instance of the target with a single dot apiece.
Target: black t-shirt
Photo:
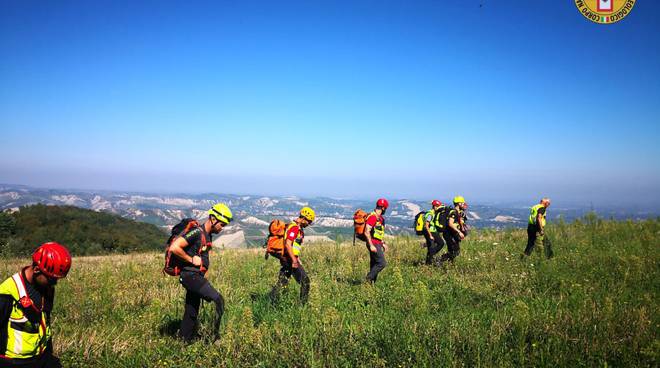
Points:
(453, 214)
(458, 217)
(541, 211)
(196, 241)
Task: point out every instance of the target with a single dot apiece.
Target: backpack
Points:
(173, 264)
(275, 241)
(359, 224)
(442, 218)
(419, 223)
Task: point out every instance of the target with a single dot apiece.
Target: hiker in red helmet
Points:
(433, 230)
(375, 235)
(26, 301)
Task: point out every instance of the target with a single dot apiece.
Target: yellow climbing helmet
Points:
(308, 213)
(459, 199)
(222, 213)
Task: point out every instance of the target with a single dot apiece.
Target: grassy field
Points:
(594, 304)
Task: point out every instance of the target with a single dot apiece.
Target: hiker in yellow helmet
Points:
(536, 226)
(294, 236)
(455, 229)
(192, 248)
(26, 302)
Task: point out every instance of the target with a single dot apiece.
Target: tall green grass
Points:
(594, 304)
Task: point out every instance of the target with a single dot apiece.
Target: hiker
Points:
(26, 302)
(375, 234)
(432, 230)
(536, 226)
(290, 258)
(455, 228)
(192, 248)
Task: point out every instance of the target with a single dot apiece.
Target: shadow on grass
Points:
(350, 281)
(169, 326)
(263, 304)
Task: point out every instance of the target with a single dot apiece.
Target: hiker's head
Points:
(545, 202)
(50, 262)
(307, 215)
(382, 204)
(459, 202)
(219, 216)
(436, 204)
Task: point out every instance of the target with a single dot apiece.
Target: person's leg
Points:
(531, 240)
(191, 283)
(372, 262)
(379, 263)
(456, 249)
(448, 240)
(301, 277)
(282, 278)
(210, 294)
(434, 248)
(428, 240)
(440, 240)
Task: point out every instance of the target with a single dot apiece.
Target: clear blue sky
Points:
(507, 101)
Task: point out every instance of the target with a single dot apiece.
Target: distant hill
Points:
(253, 213)
(84, 232)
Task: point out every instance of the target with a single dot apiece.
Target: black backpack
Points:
(442, 218)
(174, 265)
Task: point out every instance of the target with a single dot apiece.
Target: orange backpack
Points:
(275, 240)
(359, 224)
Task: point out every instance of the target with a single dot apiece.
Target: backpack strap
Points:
(205, 243)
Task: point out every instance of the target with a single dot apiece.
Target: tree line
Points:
(84, 232)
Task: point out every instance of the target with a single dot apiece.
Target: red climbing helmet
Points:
(53, 260)
(383, 203)
(436, 203)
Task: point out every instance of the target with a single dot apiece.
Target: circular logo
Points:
(605, 11)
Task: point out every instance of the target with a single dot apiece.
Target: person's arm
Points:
(177, 249)
(291, 236)
(454, 226)
(427, 226)
(288, 248)
(367, 234)
(6, 303)
(539, 220)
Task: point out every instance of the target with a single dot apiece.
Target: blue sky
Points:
(504, 102)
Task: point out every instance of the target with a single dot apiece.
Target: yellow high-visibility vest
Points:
(378, 229)
(297, 243)
(534, 212)
(24, 338)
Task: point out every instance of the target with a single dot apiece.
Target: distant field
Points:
(594, 304)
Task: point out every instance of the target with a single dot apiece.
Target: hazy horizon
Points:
(558, 201)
